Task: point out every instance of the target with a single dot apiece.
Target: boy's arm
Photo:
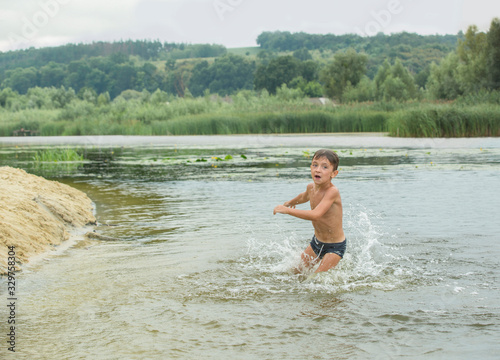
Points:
(299, 199)
(314, 214)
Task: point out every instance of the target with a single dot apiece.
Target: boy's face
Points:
(322, 170)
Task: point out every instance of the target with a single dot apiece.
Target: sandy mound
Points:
(36, 214)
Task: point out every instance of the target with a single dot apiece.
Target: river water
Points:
(200, 269)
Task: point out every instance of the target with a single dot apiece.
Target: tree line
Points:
(286, 41)
(145, 49)
(415, 51)
(347, 68)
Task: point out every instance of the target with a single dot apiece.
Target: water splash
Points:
(374, 260)
(368, 263)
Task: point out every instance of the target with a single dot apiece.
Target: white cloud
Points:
(480, 13)
(229, 22)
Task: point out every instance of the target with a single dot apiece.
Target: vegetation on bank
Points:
(416, 86)
(249, 112)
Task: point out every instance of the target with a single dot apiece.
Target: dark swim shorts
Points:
(321, 248)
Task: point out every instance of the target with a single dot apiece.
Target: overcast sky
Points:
(233, 23)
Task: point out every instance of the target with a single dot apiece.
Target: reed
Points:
(249, 113)
(481, 97)
(29, 119)
(274, 123)
(447, 120)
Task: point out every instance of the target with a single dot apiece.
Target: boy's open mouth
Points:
(317, 176)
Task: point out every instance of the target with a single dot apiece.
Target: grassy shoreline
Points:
(249, 114)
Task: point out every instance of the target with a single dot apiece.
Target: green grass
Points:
(57, 155)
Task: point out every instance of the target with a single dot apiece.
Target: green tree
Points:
(178, 79)
(364, 91)
(119, 58)
(395, 89)
(443, 82)
(302, 54)
(88, 94)
(39, 98)
(201, 78)
(97, 80)
(383, 72)
(226, 75)
(159, 97)
(230, 74)
(52, 74)
(472, 52)
(129, 95)
(62, 97)
(395, 82)
(308, 88)
(147, 77)
(313, 89)
(170, 65)
(493, 53)
(279, 71)
(265, 56)
(77, 73)
(309, 70)
(422, 77)
(283, 93)
(6, 97)
(124, 77)
(21, 80)
(103, 99)
(398, 71)
(346, 69)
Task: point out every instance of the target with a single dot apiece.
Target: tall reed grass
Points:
(249, 113)
(29, 119)
(447, 120)
(275, 123)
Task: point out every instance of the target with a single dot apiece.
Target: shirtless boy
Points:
(328, 243)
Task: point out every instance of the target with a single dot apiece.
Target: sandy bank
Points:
(37, 214)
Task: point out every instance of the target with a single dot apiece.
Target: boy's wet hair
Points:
(331, 156)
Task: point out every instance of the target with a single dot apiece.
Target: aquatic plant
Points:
(57, 155)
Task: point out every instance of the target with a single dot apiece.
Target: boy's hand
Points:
(280, 209)
(289, 204)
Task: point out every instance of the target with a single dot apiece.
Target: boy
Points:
(328, 243)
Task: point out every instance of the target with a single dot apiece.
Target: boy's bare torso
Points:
(328, 228)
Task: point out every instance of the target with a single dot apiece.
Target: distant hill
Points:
(114, 67)
(286, 41)
(147, 50)
(415, 51)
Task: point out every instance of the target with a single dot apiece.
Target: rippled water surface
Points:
(200, 269)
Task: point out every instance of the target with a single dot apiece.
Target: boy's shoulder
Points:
(333, 190)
